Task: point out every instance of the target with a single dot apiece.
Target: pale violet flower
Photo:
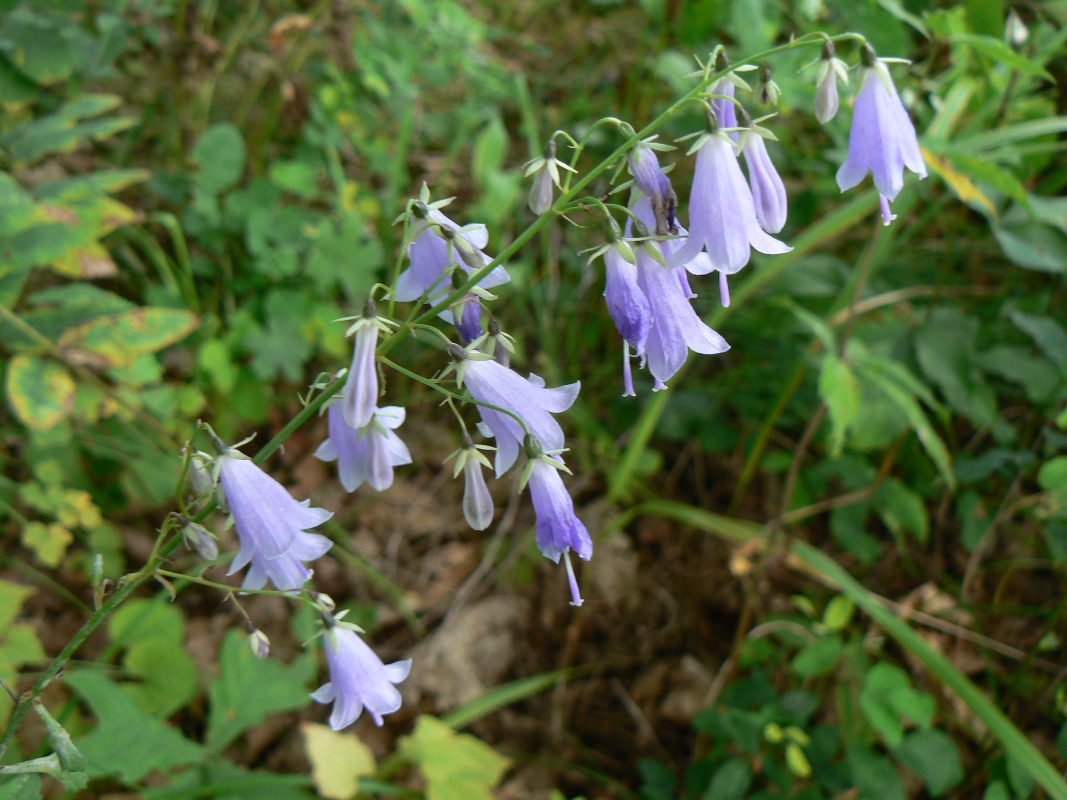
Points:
(559, 531)
(628, 308)
(653, 182)
(358, 679)
(545, 170)
(271, 526)
(722, 215)
(490, 382)
(359, 398)
(439, 247)
(366, 455)
(882, 139)
(477, 502)
(768, 191)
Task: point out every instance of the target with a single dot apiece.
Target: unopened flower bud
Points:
(541, 193)
(532, 446)
(766, 91)
(1015, 30)
(198, 476)
(259, 643)
(323, 601)
(200, 539)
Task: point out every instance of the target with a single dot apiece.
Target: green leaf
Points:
(35, 45)
(1033, 246)
(731, 781)
(166, 676)
(933, 756)
(887, 698)
(65, 130)
(838, 613)
(20, 787)
(119, 339)
(234, 708)
(12, 596)
(40, 391)
(818, 657)
(298, 177)
(49, 541)
(346, 256)
(1046, 333)
(338, 761)
(841, 393)
(219, 156)
(490, 148)
(127, 742)
(902, 510)
(946, 352)
(998, 50)
(457, 766)
(873, 775)
(1053, 474)
(997, 790)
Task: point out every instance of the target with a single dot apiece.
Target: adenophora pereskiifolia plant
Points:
(766, 91)
(545, 170)
(830, 70)
(882, 139)
(650, 178)
(626, 303)
(477, 502)
(360, 396)
(768, 191)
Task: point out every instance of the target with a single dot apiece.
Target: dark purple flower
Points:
(559, 531)
(882, 139)
(271, 525)
(468, 320)
(369, 454)
(358, 680)
(653, 182)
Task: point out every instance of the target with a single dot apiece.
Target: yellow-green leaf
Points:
(457, 766)
(338, 761)
(41, 392)
(121, 338)
(49, 541)
(962, 185)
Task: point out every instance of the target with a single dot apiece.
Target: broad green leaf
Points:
(918, 421)
(838, 613)
(902, 510)
(818, 657)
(997, 790)
(19, 645)
(165, 677)
(731, 781)
(67, 129)
(40, 391)
(888, 698)
(20, 787)
(49, 541)
(119, 339)
(234, 708)
(841, 393)
(999, 51)
(220, 158)
(946, 352)
(1033, 245)
(298, 177)
(12, 596)
(127, 742)
(456, 766)
(144, 620)
(1022, 366)
(873, 774)
(338, 761)
(1053, 474)
(1048, 334)
(347, 256)
(35, 45)
(986, 16)
(933, 756)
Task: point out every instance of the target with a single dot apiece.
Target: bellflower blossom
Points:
(490, 382)
(722, 215)
(271, 525)
(358, 679)
(359, 398)
(545, 170)
(559, 531)
(627, 306)
(440, 244)
(882, 140)
(468, 320)
(369, 454)
(768, 191)
(653, 181)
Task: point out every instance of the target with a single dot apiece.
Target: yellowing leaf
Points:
(49, 541)
(457, 766)
(41, 393)
(338, 761)
(121, 338)
(963, 186)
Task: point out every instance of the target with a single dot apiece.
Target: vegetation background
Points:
(193, 190)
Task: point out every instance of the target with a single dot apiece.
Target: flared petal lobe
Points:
(271, 526)
(369, 454)
(358, 680)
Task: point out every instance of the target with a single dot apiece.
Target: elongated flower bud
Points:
(477, 502)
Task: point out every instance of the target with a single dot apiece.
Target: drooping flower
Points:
(490, 382)
(545, 169)
(437, 249)
(369, 454)
(676, 329)
(477, 502)
(722, 215)
(559, 531)
(767, 92)
(271, 526)
(654, 183)
(768, 191)
(882, 139)
(358, 679)
(359, 398)
(831, 68)
(468, 319)
(628, 308)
